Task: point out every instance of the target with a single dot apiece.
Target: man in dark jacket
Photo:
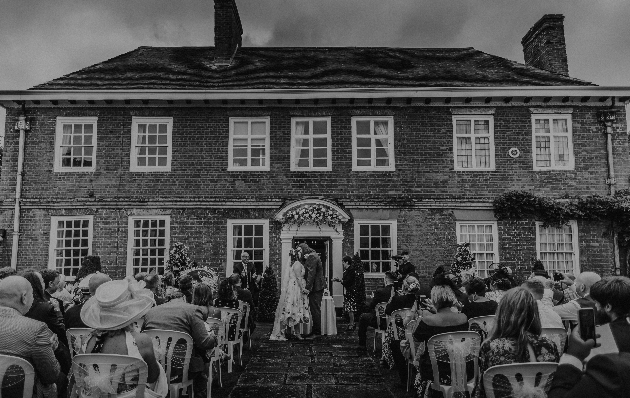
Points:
(381, 295)
(250, 278)
(314, 285)
(72, 317)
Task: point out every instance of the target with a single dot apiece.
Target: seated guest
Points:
(478, 304)
(6, 272)
(72, 317)
(112, 311)
(62, 293)
(246, 296)
(443, 321)
(548, 293)
(186, 287)
(152, 282)
(26, 338)
(52, 279)
(582, 288)
(515, 337)
(564, 288)
(226, 295)
(188, 318)
(612, 300)
(548, 317)
(381, 295)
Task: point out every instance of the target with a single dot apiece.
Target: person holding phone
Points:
(612, 301)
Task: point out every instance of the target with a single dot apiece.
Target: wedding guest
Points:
(250, 276)
(89, 265)
(6, 272)
(349, 293)
(548, 317)
(186, 287)
(246, 296)
(612, 299)
(500, 282)
(62, 292)
(478, 304)
(381, 295)
(152, 282)
(582, 288)
(72, 317)
(226, 295)
(52, 279)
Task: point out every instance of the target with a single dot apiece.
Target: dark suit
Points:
(406, 268)
(315, 285)
(367, 319)
(43, 311)
(72, 317)
(606, 376)
(248, 275)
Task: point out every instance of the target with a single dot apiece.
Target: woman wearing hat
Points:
(112, 312)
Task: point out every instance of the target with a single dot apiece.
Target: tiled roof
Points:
(192, 68)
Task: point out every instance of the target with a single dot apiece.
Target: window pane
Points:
(240, 128)
(320, 127)
(363, 127)
(259, 128)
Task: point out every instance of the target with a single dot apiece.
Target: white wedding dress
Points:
(293, 304)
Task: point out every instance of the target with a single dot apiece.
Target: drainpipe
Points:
(608, 117)
(23, 125)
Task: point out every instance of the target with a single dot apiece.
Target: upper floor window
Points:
(552, 142)
(484, 243)
(70, 241)
(557, 247)
(249, 144)
(473, 142)
(148, 243)
(311, 144)
(151, 143)
(75, 144)
(375, 242)
(251, 236)
(373, 143)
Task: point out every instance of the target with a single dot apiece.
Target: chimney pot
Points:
(228, 31)
(544, 46)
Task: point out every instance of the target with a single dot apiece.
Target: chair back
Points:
(244, 307)
(76, 339)
(14, 372)
(173, 351)
(409, 329)
(232, 319)
(454, 359)
(218, 327)
(381, 318)
(396, 322)
(107, 375)
(557, 335)
(519, 379)
(482, 325)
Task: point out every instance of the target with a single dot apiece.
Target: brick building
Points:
(214, 146)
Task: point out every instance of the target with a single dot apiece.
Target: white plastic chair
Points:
(557, 335)
(409, 329)
(406, 315)
(169, 352)
(244, 329)
(76, 338)
(481, 323)
(219, 326)
(107, 372)
(457, 349)
(514, 377)
(232, 319)
(26, 373)
(379, 312)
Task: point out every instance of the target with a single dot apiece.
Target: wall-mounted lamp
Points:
(607, 116)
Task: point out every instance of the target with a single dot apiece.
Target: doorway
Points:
(321, 245)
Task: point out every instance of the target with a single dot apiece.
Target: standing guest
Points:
(188, 318)
(548, 317)
(89, 265)
(582, 288)
(349, 293)
(226, 295)
(152, 282)
(52, 279)
(246, 296)
(6, 272)
(405, 267)
(72, 317)
(478, 304)
(381, 295)
(250, 276)
(315, 285)
(26, 338)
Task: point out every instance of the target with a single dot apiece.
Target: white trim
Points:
(130, 237)
(230, 240)
(133, 160)
(394, 238)
(495, 237)
(575, 241)
(472, 119)
(249, 121)
(390, 140)
(57, 168)
(52, 264)
(550, 117)
(310, 120)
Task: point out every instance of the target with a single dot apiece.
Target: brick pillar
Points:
(227, 30)
(544, 46)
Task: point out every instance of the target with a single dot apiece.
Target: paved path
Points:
(330, 366)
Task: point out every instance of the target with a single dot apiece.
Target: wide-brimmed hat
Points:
(117, 304)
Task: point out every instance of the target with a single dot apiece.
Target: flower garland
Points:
(464, 259)
(316, 214)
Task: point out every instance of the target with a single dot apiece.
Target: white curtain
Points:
(299, 140)
(380, 129)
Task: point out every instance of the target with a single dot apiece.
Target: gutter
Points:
(23, 126)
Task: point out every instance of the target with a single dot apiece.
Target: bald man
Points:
(582, 286)
(72, 317)
(24, 337)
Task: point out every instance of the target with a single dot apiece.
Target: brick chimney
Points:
(544, 45)
(227, 31)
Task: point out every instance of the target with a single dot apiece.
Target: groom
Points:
(314, 286)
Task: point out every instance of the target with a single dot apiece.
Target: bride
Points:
(293, 304)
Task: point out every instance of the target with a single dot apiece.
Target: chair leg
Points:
(240, 353)
(408, 376)
(231, 354)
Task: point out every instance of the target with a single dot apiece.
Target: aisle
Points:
(324, 367)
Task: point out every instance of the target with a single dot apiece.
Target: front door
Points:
(321, 245)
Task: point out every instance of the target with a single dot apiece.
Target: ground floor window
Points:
(70, 241)
(483, 239)
(251, 236)
(149, 240)
(375, 242)
(557, 247)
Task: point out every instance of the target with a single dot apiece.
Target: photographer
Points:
(582, 289)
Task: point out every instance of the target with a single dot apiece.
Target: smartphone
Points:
(586, 323)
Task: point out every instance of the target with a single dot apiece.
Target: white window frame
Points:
(390, 136)
(569, 134)
(231, 166)
(230, 240)
(58, 168)
(167, 236)
(393, 228)
(133, 158)
(495, 237)
(576, 249)
(52, 263)
(310, 120)
(472, 119)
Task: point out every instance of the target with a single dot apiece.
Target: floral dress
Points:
(349, 294)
